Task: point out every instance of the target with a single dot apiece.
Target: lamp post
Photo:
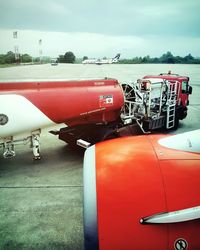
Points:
(40, 50)
(16, 48)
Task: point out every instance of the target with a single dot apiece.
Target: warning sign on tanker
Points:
(105, 100)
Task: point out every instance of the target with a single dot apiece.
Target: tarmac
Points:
(42, 201)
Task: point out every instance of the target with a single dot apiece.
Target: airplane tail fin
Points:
(116, 58)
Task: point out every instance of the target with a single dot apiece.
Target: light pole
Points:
(40, 50)
(16, 47)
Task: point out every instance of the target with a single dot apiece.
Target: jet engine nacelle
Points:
(143, 192)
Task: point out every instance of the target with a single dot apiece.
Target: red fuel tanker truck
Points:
(90, 110)
(153, 102)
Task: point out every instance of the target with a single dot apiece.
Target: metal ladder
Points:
(171, 108)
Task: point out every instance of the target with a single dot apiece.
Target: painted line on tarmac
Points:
(44, 186)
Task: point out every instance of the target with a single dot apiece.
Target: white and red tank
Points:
(29, 105)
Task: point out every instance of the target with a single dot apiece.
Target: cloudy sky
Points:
(98, 28)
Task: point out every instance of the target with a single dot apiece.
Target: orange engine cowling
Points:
(143, 193)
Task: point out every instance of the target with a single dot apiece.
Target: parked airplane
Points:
(102, 61)
(142, 192)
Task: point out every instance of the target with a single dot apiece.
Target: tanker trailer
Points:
(95, 115)
(87, 109)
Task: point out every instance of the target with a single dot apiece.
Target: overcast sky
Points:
(98, 28)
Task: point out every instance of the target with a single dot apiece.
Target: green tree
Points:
(146, 59)
(10, 57)
(61, 59)
(2, 59)
(25, 58)
(178, 59)
(167, 58)
(188, 59)
(155, 60)
(85, 58)
(69, 57)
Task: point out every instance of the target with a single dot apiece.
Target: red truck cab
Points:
(183, 91)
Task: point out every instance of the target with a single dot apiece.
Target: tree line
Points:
(9, 58)
(165, 58)
(69, 57)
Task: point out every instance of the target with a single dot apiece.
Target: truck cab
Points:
(183, 91)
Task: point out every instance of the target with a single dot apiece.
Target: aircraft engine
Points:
(143, 192)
